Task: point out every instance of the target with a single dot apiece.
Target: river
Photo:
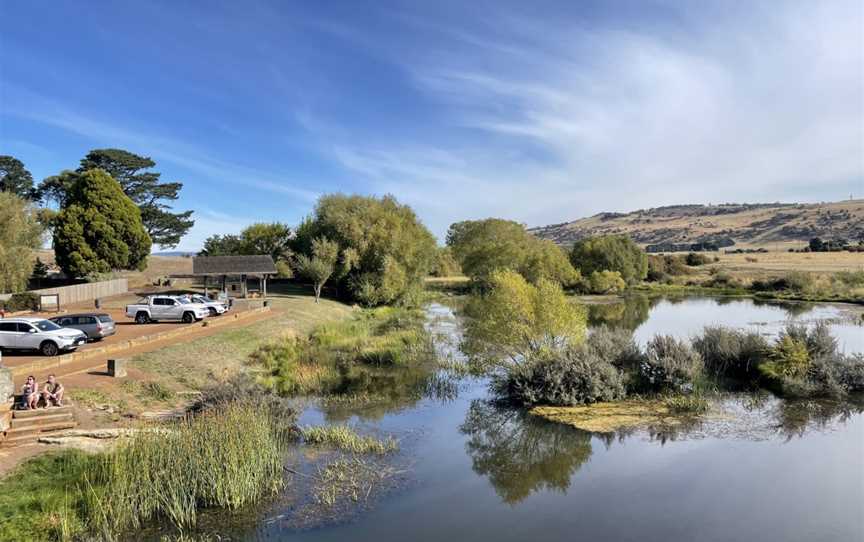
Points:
(776, 471)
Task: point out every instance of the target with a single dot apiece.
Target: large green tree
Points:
(222, 245)
(484, 246)
(143, 186)
(147, 190)
(267, 238)
(15, 178)
(20, 236)
(385, 250)
(99, 228)
(610, 253)
(273, 239)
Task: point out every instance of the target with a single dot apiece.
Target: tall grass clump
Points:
(228, 457)
(343, 437)
(381, 338)
(291, 368)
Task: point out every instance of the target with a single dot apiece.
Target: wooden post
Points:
(265, 287)
(224, 286)
(205, 286)
(244, 287)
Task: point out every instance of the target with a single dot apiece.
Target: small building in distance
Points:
(232, 273)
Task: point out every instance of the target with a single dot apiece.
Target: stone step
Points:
(40, 421)
(37, 430)
(21, 414)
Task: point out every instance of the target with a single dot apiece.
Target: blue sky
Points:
(536, 111)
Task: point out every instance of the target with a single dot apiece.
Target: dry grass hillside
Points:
(157, 267)
(776, 225)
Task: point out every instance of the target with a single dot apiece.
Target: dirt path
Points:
(95, 366)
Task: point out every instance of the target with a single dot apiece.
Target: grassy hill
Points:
(773, 224)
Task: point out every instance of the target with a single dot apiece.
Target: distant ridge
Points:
(174, 254)
(745, 223)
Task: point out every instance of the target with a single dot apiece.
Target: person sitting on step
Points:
(52, 393)
(30, 393)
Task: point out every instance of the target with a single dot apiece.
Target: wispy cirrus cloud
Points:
(761, 104)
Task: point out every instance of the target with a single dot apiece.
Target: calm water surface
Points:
(778, 471)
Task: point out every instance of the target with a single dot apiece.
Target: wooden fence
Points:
(83, 292)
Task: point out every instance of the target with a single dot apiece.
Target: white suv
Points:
(38, 334)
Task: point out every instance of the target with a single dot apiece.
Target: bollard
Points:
(117, 368)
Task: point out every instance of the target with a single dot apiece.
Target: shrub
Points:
(695, 260)
(606, 282)
(574, 376)
(25, 301)
(723, 279)
(789, 358)
(852, 279)
(817, 340)
(516, 321)
(731, 352)
(669, 365)
(612, 253)
(616, 346)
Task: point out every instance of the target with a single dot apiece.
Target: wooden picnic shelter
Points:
(231, 269)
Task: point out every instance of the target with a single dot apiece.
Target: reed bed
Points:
(227, 458)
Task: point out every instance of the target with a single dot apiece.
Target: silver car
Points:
(97, 326)
(215, 307)
(38, 334)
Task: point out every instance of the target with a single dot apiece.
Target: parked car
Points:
(157, 308)
(97, 326)
(215, 307)
(38, 334)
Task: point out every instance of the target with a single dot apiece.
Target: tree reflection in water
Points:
(628, 313)
(521, 453)
(794, 418)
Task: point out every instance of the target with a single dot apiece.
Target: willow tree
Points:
(515, 322)
(484, 246)
(385, 249)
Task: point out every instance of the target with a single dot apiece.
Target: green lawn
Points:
(197, 362)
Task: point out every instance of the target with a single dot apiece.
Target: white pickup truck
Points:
(155, 308)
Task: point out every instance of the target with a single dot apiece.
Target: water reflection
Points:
(794, 418)
(521, 453)
(372, 393)
(629, 313)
